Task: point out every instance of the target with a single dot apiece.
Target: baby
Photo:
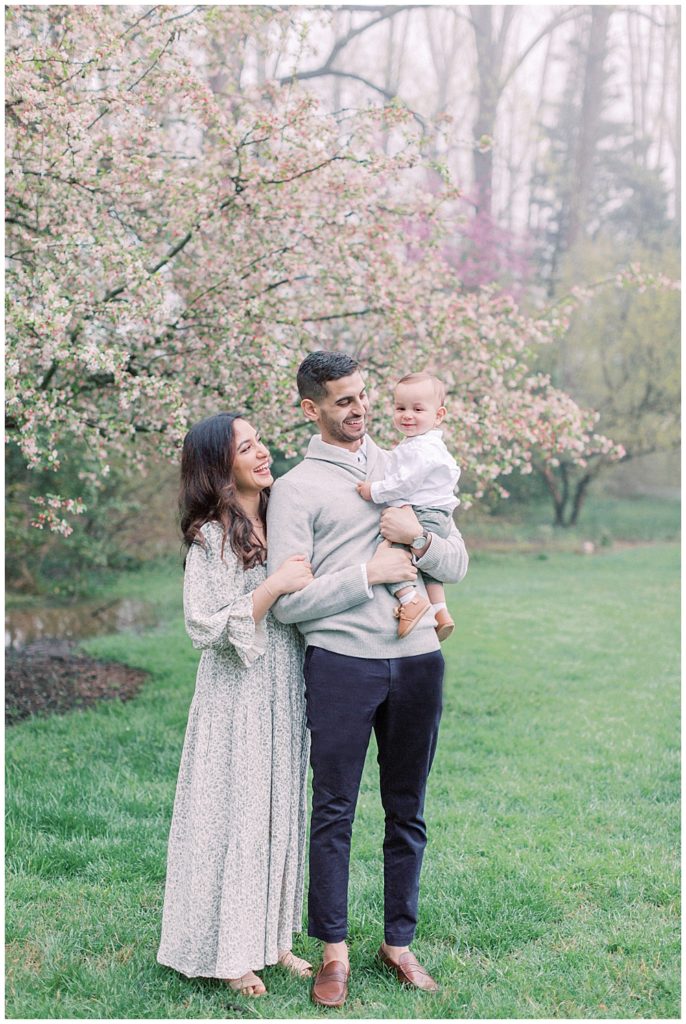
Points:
(421, 472)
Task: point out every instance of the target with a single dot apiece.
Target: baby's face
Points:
(417, 408)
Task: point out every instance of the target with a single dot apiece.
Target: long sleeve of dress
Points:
(218, 612)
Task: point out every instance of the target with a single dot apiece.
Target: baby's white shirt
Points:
(420, 471)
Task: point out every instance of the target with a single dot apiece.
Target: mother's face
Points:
(251, 459)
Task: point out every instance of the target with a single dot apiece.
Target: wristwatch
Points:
(420, 542)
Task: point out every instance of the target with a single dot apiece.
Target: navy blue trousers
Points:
(401, 699)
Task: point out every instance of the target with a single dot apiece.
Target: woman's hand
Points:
(291, 576)
(390, 565)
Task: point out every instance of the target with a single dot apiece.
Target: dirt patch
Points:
(49, 678)
(24, 955)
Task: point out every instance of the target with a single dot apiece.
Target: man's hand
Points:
(400, 525)
(365, 491)
(390, 565)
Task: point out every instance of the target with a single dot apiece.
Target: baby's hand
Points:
(365, 491)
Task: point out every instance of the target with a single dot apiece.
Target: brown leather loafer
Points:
(330, 986)
(444, 624)
(408, 615)
(409, 971)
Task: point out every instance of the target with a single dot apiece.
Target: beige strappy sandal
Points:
(248, 985)
(295, 964)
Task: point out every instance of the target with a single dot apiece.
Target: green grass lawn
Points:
(551, 879)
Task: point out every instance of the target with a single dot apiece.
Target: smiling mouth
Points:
(262, 469)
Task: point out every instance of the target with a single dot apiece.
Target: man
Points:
(358, 674)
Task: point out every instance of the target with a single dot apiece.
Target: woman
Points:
(234, 886)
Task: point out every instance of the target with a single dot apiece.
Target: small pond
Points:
(75, 622)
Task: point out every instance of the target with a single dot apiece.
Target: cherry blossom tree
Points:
(181, 233)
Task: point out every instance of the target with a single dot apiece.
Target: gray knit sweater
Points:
(315, 510)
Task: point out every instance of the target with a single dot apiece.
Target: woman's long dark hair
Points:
(208, 490)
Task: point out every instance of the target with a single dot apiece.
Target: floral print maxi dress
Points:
(235, 861)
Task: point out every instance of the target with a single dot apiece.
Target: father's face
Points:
(342, 415)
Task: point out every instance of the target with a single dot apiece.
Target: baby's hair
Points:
(415, 378)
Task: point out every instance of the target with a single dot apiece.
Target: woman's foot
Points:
(295, 964)
(248, 985)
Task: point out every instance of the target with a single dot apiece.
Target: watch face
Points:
(419, 542)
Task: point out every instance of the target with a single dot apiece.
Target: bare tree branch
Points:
(172, 253)
(311, 170)
(327, 67)
(560, 19)
(339, 316)
(323, 71)
(640, 12)
(154, 64)
(150, 11)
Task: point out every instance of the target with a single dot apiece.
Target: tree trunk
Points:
(557, 493)
(589, 122)
(569, 495)
(533, 210)
(677, 135)
(633, 37)
(487, 105)
(578, 498)
(443, 37)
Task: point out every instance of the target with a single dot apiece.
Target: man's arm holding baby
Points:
(290, 531)
(444, 558)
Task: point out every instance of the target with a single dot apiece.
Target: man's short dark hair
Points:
(320, 367)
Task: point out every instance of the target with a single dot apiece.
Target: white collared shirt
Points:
(357, 458)
(422, 472)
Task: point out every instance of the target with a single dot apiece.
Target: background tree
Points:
(632, 378)
(188, 213)
(594, 171)
(169, 250)
(607, 204)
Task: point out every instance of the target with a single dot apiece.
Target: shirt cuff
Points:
(365, 580)
(374, 490)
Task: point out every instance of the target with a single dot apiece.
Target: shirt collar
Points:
(435, 431)
(355, 458)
